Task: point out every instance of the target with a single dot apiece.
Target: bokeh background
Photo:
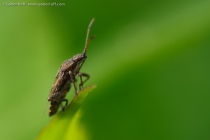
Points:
(150, 61)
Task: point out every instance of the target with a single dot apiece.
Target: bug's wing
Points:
(62, 76)
(57, 82)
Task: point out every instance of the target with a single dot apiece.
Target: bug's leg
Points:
(81, 81)
(72, 78)
(64, 107)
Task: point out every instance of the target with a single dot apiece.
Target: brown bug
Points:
(67, 75)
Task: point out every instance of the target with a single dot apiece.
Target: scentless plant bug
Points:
(66, 76)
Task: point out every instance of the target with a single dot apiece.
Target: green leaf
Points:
(65, 124)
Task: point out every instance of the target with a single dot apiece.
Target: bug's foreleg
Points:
(81, 81)
(72, 78)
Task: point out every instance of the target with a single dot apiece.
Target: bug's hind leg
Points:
(54, 97)
(64, 107)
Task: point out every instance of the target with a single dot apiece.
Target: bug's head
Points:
(79, 58)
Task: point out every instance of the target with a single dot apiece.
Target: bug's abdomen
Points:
(57, 98)
(54, 107)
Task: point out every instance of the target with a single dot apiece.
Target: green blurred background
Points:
(150, 61)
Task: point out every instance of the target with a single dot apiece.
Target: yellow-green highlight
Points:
(67, 121)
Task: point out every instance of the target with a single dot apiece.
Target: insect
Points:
(66, 76)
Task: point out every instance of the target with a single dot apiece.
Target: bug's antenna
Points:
(45, 108)
(87, 37)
